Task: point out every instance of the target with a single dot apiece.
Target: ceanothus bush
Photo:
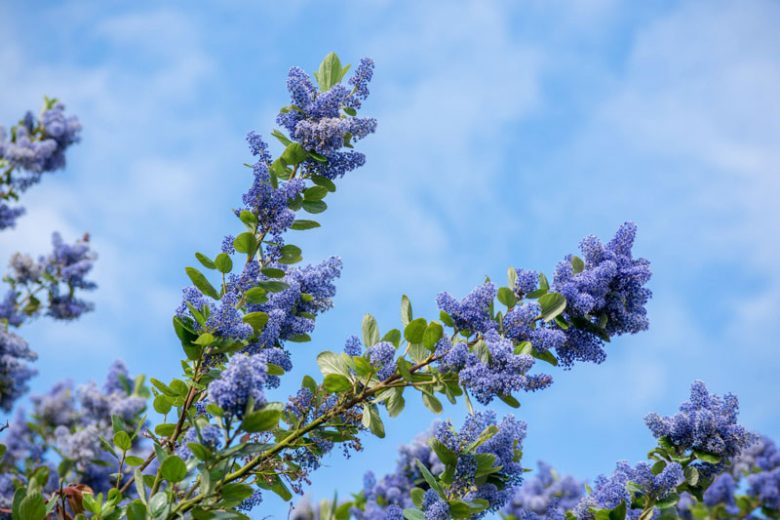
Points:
(222, 439)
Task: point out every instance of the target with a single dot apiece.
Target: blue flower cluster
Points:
(606, 293)
(472, 313)
(319, 121)
(69, 423)
(609, 491)
(15, 371)
(547, 496)
(390, 494)
(269, 203)
(505, 444)
(706, 423)
(760, 463)
(240, 385)
(495, 369)
(32, 147)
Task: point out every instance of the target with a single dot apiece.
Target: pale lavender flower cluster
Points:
(317, 121)
(547, 496)
(72, 420)
(240, 385)
(61, 274)
(609, 294)
(33, 147)
(706, 423)
(15, 371)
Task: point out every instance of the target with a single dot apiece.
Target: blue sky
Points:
(507, 131)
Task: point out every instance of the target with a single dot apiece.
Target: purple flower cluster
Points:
(319, 121)
(609, 294)
(547, 496)
(240, 384)
(706, 423)
(491, 368)
(15, 371)
(32, 147)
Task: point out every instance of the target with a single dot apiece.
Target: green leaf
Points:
(294, 154)
(276, 485)
(33, 507)
(261, 420)
(337, 383)
(372, 420)
(507, 296)
(396, 402)
(136, 510)
(122, 441)
(199, 280)
(165, 429)
(432, 335)
(331, 363)
(417, 495)
(545, 355)
(132, 460)
(446, 319)
(577, 265)
(173, 469)
(326, 183)
(330, 72)
(256, 295)
(445, 454)
(370, 331)
(510, 400)
(236, 492)
(314, 206)
(315, 193)
(350, 111)
(413, 514)
(281, 137)
(406, 310)
(552, 305)
(392, 336)
(256, 320)
(158, 505)
(304, 224)
(205, 261)
(249, 219)
(299, 338)
(706, 457)
(414, 331)
(224, 263)
(429, 478)
(432, 403)
(246, 242)
(162, 404)
(273, 285)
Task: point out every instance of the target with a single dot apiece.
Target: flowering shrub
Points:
(226, 439)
